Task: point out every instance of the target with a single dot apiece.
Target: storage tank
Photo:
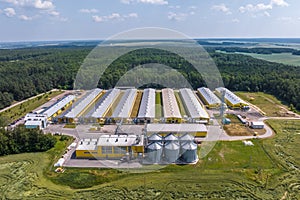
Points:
(189, 152)
(170, 137)
(186, 138)
(171, 151)
(155, 138)
(154, 152)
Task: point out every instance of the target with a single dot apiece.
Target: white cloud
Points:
(155, 2)
(263, 7)
(174, 7)
(285, 19)
(88, 10)
(54, 13)
(222, 8)
(114, 16)
(267, 14)
(235, 20)
(38, 4)
(279, 3)
(25, 18)
(177, 16)
(9, 12)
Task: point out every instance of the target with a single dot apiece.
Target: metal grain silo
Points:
(189, 152)
(154, 152)
(170, 137)
(186, 138)
(171, 151)
(155, 138)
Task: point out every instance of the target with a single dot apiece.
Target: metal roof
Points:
(87, 145)
(172, 146)
(170, 106)
(189, 146)
(186, 137)
(155, 137)
(155, 146)
(83, 103)
(33, 123)
(171, 137)
(192, 104)
(58, 105)
(147, 107)
(124, 107)
(209, 96)
(105, 102)
(230, 96)
(120, 140)
(176, 128)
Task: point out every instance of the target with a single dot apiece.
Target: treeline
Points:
(21, 140)
(57, 68)
(258, 50)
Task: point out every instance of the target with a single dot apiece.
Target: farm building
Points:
(170, 107)
(33, 120)
(104, 104)
(209, 98)
(231, 99)
(192, 105)
(257, 125)
(82, 105)
(124, 107)
(147, 107)
(59, 106)
(111, 146)
(198, 130)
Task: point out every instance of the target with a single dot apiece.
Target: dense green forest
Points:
(258, 50)
(26, 72)
(21, 140)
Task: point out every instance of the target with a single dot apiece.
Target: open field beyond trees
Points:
(267, 170)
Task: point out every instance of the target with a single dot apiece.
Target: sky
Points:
(36, 20)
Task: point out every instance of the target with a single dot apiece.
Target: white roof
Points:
(120, 140)
(34, 117)
(87, 145)
(176, 128)
(58, 105)
(170, 106)
(147, 107)
(230, 96)
(33, 123)
(124, 107)
(106, 102)
(192, 104)
(189, 146)
(83, 103)
(209, 96)
(257, 123)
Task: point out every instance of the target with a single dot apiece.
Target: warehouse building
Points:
(230, 98)
(170, 107)
(57, 108)
(147, 106)
(257, 125)
(105, 104)
(111, 146)
(192, 105)
(197, 130)
(124, 108)
(209, 98)
(33, 120)
(82, 105)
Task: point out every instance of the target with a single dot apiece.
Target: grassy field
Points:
(136, 106)
(20, 110)
(266, 102)
(180, 103)
(284, 58)
(158, 105)
(267, 170)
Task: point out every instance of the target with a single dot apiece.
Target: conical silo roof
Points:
(189, 146)
(155, 137)
(155, 146)
(171, 137)
(187, 137)
(172, 146)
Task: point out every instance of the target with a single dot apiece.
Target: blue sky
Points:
(23, 20)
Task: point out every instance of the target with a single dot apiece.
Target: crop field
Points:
(266, 102)
(267, 170)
